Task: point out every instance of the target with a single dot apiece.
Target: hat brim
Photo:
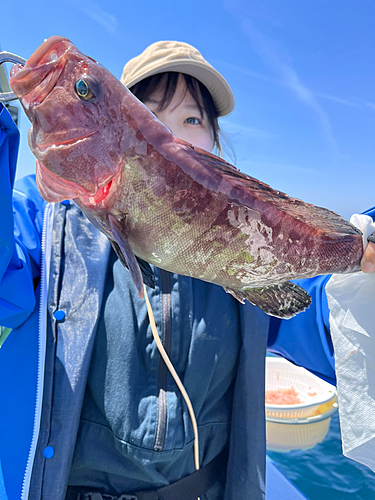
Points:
(217, 85)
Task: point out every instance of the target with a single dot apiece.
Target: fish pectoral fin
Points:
(283, 300)
(127, 257)
(147, 273)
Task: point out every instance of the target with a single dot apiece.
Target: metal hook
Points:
(12, 58)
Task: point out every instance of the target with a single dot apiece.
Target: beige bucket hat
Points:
(183, 58)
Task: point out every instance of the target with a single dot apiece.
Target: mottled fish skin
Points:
(176, 206)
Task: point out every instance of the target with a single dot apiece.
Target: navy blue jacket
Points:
(52, 259)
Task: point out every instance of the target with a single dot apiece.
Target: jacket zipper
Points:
(42, 329)
(166, 301)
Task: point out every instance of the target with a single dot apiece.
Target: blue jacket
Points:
(44, 363)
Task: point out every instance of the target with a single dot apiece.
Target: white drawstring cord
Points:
(170, 367)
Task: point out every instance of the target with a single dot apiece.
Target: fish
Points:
(162, 201)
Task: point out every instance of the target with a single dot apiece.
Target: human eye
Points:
(193, 121)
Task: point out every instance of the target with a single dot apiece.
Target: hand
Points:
(368, 259)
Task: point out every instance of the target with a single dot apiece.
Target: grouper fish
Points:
(162, 201)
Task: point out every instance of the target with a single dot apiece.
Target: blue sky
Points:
(302, 73)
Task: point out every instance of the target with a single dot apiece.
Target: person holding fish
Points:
(89, 410)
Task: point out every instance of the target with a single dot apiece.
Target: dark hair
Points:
(143, 89)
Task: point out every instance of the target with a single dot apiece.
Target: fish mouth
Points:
(44, 148)
(33, 82)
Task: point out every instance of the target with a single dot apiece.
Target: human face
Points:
(182, 116)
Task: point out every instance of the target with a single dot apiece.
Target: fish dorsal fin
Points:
(247, 188)
(283, 300)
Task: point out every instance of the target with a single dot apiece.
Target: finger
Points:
(368, 259)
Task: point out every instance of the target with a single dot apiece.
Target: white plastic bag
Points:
(351, 300)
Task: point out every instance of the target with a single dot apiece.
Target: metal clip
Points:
(12, 58)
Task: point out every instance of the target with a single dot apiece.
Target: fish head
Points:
(76, 135)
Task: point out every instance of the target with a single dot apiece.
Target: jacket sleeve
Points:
(21, 212)
(370, 212)
(305, 339)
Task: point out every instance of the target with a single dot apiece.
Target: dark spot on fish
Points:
(139, 137)
(113, 113)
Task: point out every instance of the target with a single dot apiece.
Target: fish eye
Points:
(83, 90)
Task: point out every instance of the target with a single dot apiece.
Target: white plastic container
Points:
(316, 395)
(284, 435)
(297, 426)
